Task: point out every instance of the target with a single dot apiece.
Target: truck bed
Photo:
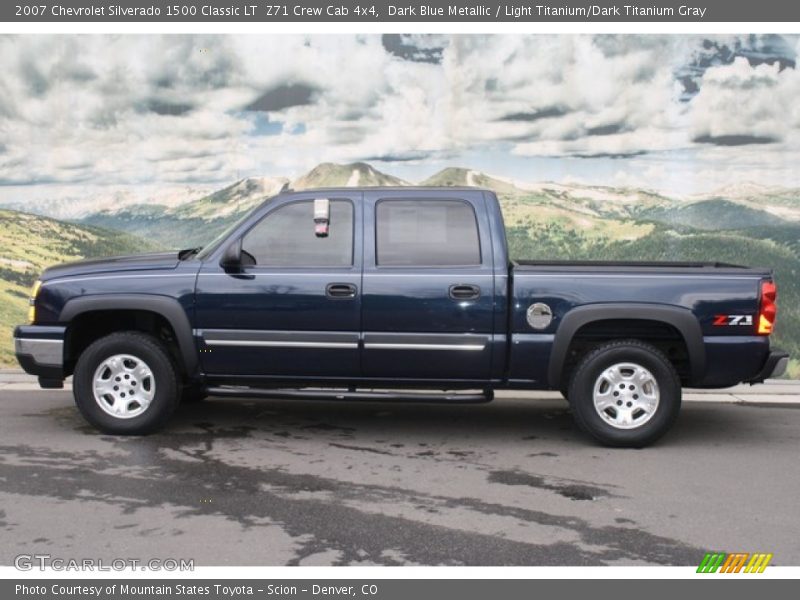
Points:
(613, 266)
(695, 294)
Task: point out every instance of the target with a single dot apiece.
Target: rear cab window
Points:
(426, 233)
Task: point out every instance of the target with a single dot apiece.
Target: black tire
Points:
(588, 373)
(163, 376)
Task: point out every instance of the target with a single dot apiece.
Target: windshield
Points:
(214, 244)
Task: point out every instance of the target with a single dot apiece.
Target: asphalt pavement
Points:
(277, 482)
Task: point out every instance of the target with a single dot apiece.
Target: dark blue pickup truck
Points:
(345, 292)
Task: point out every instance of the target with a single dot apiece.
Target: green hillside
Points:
(165, 230)
(787, 235)
(28, 244)
(714, 214)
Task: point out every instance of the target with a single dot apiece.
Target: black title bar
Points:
(624, 11)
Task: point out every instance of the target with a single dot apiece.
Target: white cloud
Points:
(141, 110)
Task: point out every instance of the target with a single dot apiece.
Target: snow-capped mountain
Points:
(239, 197)
(74, 206)
(106, 206)
(458, 176)
(350, 175)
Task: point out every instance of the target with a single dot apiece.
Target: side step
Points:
(336, 394)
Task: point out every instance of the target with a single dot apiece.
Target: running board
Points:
(301, 394)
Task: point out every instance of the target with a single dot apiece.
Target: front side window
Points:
(286, 237)
(430, 233)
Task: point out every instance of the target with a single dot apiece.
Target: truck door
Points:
(295, 313)
(428, 296)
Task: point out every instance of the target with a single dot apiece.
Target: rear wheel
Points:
(625, 393)
(126, 384)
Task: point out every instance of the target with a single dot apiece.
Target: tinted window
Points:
(286, 238)
(427, 233)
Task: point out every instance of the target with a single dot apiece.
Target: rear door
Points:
(428, 286)
(295, 313)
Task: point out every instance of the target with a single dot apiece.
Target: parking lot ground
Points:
(275, 482)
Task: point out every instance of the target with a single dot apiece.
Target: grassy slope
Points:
(714, 214)
(167, 231)
(28, 244)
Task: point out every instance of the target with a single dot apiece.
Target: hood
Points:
(136, 262)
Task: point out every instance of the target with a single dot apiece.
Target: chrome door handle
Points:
(341, 290)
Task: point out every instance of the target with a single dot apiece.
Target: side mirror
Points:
(232, 257)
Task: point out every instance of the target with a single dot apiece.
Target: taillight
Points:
(767, 309)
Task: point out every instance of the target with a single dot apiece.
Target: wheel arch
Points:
(167, 308)
(681, 319)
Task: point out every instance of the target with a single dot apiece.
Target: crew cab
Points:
(387, 294)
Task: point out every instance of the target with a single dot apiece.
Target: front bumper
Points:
(774, 366)
(40, 352)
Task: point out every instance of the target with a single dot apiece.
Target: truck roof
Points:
(395, 188)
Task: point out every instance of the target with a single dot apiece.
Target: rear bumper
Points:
(40, 351)
(774, 366)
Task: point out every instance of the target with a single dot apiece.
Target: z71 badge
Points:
(732, 320)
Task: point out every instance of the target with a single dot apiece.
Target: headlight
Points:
(32, 303)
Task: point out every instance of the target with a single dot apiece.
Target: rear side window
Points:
(430, 233)
(286, 238)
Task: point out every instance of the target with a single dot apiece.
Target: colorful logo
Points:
(720, 562)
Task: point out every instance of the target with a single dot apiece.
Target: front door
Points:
(428, 296)
(295, 313)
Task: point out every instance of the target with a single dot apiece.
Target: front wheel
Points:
(126, 384)
(625, 393)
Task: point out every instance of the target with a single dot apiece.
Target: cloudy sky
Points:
(680, 114)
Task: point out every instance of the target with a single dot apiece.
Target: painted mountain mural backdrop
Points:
(604, 147)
